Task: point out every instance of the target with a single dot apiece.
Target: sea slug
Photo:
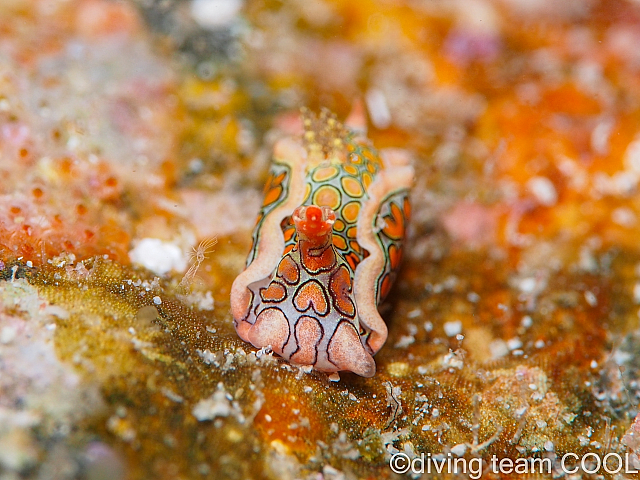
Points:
(326, 247)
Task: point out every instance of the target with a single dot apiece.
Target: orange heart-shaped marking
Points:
(311, 294)
(288, 270)
(275, 292)
(340, 288)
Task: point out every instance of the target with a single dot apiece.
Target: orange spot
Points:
(350, 169)
(373, 161)
(273, 293)
(385, 286)
(272, 195)
(322, 174)
(352, 187)
(395, 256)
(37, 192)
(273, 188)
(338, 226)
(339, 242)
(288, 248)
(289, 233)
(407, 208)
(366, 180)
(273, 181)
(328, 196)
(355, 246)
(288, 270)
(81, 209)
(340, 288)
(352, 232)
(352, 259)
(311, 294)
(24, 152)
(351, 211)
(394, 223)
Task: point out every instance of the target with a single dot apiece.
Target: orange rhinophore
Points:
(326, 248)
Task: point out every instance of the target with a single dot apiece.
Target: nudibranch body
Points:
(326, 248)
